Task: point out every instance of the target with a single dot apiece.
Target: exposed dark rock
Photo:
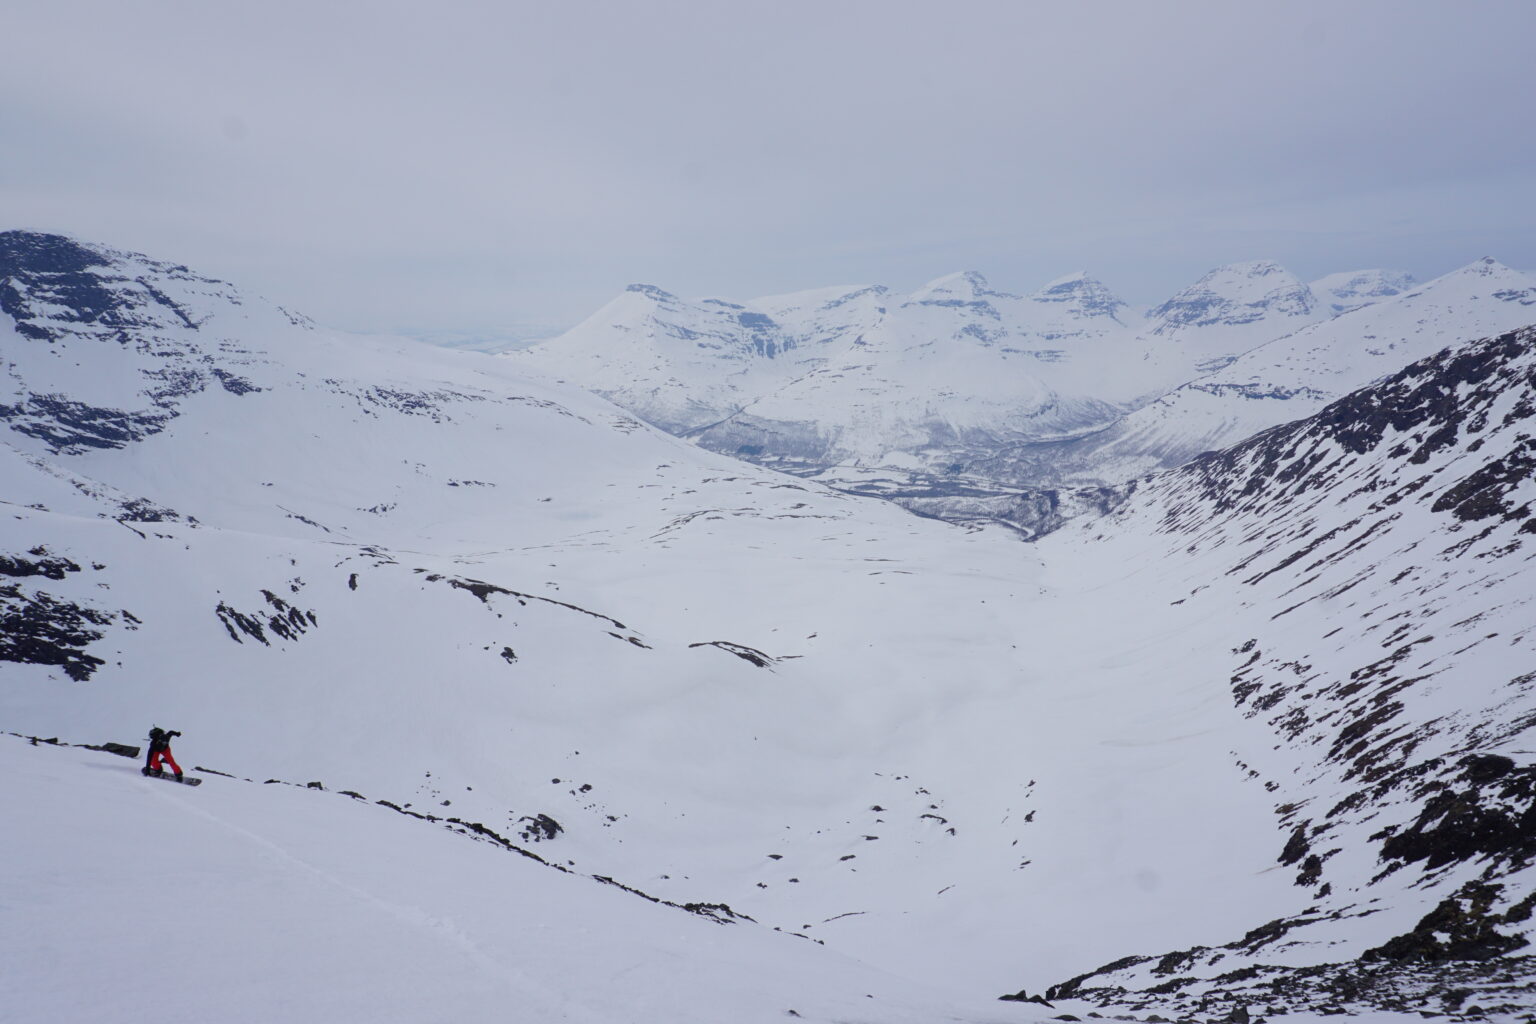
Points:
(1497, 989)
(540, 827)
(1493, 816)
(1297, 847)
(283, 620)
(69, 427)
(62, 270)
(120, 749)
(484, 591)
(39, 629)
(233, 384)
(50, 568)
(1462, 927)
(142, 510)
(1483, 768)
(742, 651)
(1069, 989)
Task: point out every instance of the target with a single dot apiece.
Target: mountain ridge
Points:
(1392, 495)
(960, 387)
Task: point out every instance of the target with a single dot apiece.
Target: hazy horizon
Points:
(483, 168)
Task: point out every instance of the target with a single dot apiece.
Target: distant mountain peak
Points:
(1083, 293)
(1486, 267)
(1352, 289)
(963, 285)
(652, 292)
(1254, 268)
(1508, 284)
(1067, 279)
(1238, 293)
(875, 290)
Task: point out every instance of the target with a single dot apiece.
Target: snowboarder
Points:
(160, 750)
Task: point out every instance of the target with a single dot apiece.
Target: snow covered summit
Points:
(1084, 295)
(1234, 295)
(960, 391)
(863, 375)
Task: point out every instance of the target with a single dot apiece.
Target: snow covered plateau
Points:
(509, 705)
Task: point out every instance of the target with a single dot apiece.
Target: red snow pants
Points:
(155, 757)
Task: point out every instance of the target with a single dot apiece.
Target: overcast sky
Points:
(484, 166)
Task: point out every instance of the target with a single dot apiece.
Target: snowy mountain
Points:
(1249, 303)
(1349, 291)
(1297, 375)
(1083, 297)
(778, 747)
(869, 378)
(955, 393)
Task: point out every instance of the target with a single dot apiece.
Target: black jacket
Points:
(160, 740)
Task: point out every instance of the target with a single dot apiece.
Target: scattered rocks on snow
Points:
(284, 620)
(540, 827)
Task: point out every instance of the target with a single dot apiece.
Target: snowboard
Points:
(185, 780)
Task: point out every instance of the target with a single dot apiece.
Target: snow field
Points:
(238, 902)
(969, 762)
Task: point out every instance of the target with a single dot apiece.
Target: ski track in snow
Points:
(413, 916)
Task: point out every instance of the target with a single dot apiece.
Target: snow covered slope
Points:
(414, 574)
(409, 573)
(1370, 571)
(1297, 375)
(241, 902)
